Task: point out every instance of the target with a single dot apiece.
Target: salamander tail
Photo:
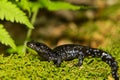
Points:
(112, 63)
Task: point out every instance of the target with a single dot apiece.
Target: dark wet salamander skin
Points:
(72, 51)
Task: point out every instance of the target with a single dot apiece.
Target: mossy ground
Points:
(31, 67)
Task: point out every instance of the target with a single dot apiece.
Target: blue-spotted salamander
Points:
(72, 51)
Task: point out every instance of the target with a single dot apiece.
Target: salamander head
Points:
(42, 49)
(37, 46)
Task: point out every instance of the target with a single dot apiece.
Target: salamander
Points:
(71, 51)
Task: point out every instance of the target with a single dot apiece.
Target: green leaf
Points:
(57, 5)
(110, 11)
(5, 38)
(24, 4)
(11, 12)
(35, 6)
(19, 49)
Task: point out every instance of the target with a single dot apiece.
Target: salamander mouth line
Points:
(72, 51)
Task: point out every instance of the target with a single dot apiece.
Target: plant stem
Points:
(29, 31)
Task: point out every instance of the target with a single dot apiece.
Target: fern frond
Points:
(5, 37)
(11, 12)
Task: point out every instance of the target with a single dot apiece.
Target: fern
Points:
(11, 12)
(5, 37)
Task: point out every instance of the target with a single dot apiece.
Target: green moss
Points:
(29, 67)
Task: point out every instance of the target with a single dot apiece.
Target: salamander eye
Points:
(37, 44)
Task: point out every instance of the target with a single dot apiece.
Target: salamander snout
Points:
(30, 44)
(33, 45)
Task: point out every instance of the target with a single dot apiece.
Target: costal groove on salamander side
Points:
(72, 51)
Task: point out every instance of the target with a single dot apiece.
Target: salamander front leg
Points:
(80, 59)
(59, 60)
